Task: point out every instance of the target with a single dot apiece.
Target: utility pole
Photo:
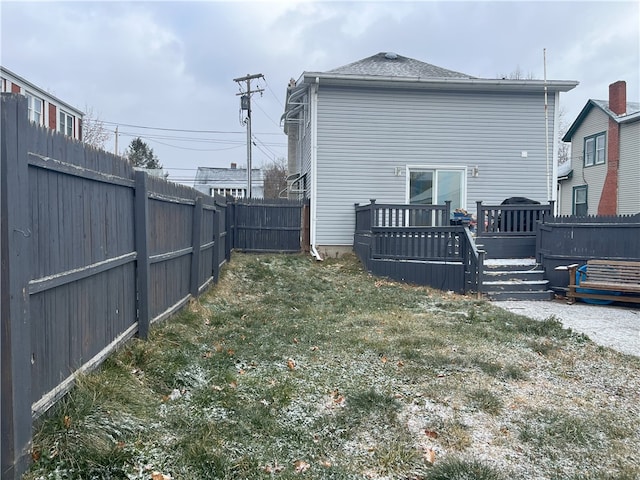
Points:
(245, 104)
(116, 139)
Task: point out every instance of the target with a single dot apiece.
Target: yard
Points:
(290, 368)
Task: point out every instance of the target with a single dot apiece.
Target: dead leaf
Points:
(314, 348)
(67, 421)
(400, 363)
(160, 476)
(241, 371)
(35, 455)
(383, 359)
(301, 466)
(291, 363)
(325, 463)
(430, 455)
(217, 388)
(275, 468)
(233, 384)
(295, 340)
(430, 433)
(231, 352)
(207, 354)
(218, 347)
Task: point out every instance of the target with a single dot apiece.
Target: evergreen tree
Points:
(141, 155)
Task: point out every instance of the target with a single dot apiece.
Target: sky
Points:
(165, 70)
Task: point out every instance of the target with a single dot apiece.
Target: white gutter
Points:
(502, 84)
(314, 167)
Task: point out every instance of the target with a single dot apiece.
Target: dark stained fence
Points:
(567, 240)
(92, 253)
(443, 257)
(509, 231)
(270, 225)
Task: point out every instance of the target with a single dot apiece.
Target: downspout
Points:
(314, 167)
(556, 141)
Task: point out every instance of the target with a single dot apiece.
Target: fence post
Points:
(142, 249)
(195, 243)
(16, 242)
(479, 217)
(446, 215)
(216, 244)
(372, 206)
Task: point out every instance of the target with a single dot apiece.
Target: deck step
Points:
(515, 279)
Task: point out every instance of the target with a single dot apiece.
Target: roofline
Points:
(40, 90)
(461, 83)
(585, 111)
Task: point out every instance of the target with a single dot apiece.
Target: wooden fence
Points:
(267, 225)
(93, 252)
(567, 240)
(441, 256)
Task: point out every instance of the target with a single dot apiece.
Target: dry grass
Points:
(290, 368)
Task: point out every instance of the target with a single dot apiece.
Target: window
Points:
(594, 150)
(580, 200)
(435, 186)
(66, 124)
(35, 108)
(3, 85)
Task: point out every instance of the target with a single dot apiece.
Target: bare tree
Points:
(518, 74)
(94, 132)
(564, 148)
(275, 178)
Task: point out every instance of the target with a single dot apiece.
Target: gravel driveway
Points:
(610, 326)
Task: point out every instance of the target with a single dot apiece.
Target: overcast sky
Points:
(171, 65)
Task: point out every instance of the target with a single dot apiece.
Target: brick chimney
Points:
(234, 166)
(618, 97)
(617, 104)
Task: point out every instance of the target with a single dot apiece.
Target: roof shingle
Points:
(392, 65)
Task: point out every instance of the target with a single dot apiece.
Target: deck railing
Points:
(511, 220)
(420, 243)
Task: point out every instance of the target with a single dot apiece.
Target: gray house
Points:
(605, 158)
(399, 130)
(229, 181)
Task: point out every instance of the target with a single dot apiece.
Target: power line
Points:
(230, 132)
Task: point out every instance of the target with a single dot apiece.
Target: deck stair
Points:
(515, 279)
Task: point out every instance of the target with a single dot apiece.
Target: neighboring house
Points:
(229, 181)
(398, 130)
(44, 109)
(605, 158)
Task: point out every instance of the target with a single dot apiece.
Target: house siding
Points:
(629, 169)
(595, 122)
(364, 134)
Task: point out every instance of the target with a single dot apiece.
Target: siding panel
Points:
(363, 135)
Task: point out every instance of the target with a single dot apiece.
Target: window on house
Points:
(435, 186)
(34, 105)
(594, 150)
(3, 85)
(66, 123)
(580, 200)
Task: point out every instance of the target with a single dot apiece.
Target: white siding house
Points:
(605, 158)
(229, 181)
(399, 130)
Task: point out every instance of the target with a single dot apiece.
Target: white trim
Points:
(314, 164)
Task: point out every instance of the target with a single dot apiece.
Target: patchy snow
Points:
(607, 325)
(497, 262)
